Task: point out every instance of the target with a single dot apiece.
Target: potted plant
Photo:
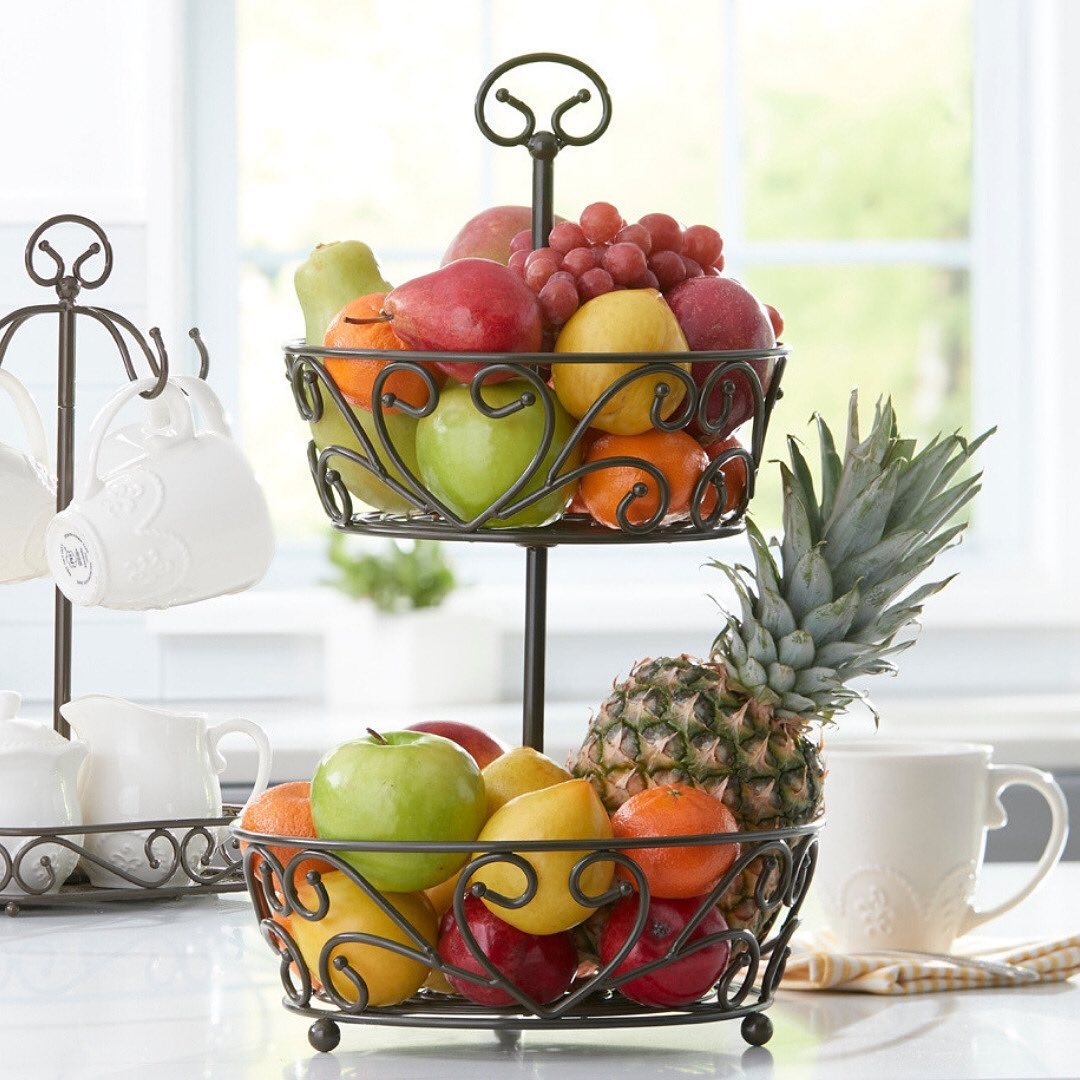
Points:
(399, 644)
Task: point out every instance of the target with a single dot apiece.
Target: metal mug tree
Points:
(19, 844)
(782, 861)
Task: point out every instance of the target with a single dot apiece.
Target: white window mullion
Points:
(732, 223)
(999, 289)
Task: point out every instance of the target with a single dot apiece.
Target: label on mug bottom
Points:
(75, 558)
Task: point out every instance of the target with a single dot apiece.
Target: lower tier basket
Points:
(761, 895)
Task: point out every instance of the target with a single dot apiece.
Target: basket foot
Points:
(509, 1038)
(11, 909)
(757, 1029)
(324, 1035)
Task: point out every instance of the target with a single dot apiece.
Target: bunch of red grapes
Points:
(601, 253)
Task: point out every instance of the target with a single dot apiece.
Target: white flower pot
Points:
(429, 657)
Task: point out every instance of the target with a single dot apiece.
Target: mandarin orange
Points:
(356, 378)
(678, 457)
(285, 810)
(677, 872)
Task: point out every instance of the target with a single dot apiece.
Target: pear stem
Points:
(364, 322)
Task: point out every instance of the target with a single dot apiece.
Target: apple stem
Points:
(377, 737)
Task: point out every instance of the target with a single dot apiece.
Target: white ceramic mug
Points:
(150, 764)
(907, 824)
(180, 520)
(27, 493)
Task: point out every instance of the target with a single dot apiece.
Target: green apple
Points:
(403, 785)
(331, 276)
(468, 459)
(333, 430)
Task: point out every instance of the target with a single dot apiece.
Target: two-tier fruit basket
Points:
(779, 862)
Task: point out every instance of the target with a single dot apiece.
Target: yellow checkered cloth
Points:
(816, 964)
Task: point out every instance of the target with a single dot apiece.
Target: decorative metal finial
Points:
(68, 285)
(542, 145)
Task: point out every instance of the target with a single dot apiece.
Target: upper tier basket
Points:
(348, 458)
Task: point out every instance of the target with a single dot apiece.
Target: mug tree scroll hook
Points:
(68, 285)
(542, 145)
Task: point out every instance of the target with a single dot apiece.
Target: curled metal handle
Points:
(68, 284)
(528, 130)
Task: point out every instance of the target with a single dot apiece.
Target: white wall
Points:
(87, 93)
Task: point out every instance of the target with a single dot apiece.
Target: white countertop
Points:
(186, 990)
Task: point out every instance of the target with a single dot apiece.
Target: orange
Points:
(285, 810)
(680, 460)
(684, 872)
(356, 378)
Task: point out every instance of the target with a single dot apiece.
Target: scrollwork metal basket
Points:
(177, 857)
(322, 984)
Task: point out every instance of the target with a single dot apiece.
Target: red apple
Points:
(488, 235)
(542, 967)
(718, 313)
(681, 982)
(484, 748)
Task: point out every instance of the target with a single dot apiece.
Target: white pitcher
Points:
(38, 774)
(27, 492)
(150, 764)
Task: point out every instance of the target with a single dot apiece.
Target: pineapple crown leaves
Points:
(831, 608)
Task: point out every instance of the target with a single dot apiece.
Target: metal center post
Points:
(532, 720)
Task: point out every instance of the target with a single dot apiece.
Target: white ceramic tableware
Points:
(27, 492)
(907, 822)
(150, 764)
(180, 519)
(38, 774)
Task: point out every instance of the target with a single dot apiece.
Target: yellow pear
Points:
(518, 771)
(568, 811)
(390, 977)
(633, 321)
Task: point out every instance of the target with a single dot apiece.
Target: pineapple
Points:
(739, 724)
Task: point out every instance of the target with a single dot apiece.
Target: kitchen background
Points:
(909, 206)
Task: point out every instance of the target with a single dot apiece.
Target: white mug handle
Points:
(262, 746)
(179, 413)
(1001, 777)
(213, 412)
(30, 417)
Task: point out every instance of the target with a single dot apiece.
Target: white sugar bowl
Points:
(39, 770)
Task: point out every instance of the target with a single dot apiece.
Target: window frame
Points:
(1015, 541)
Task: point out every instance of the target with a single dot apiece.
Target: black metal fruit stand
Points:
(779, 863)
(183, 857)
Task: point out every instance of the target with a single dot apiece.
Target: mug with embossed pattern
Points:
(906, 837)
(166, 513)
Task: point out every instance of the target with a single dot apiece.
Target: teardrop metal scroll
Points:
(529, 129)
(291, 962)
(60, 272)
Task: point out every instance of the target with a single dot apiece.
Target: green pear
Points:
(331, 276)
(333, 429)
